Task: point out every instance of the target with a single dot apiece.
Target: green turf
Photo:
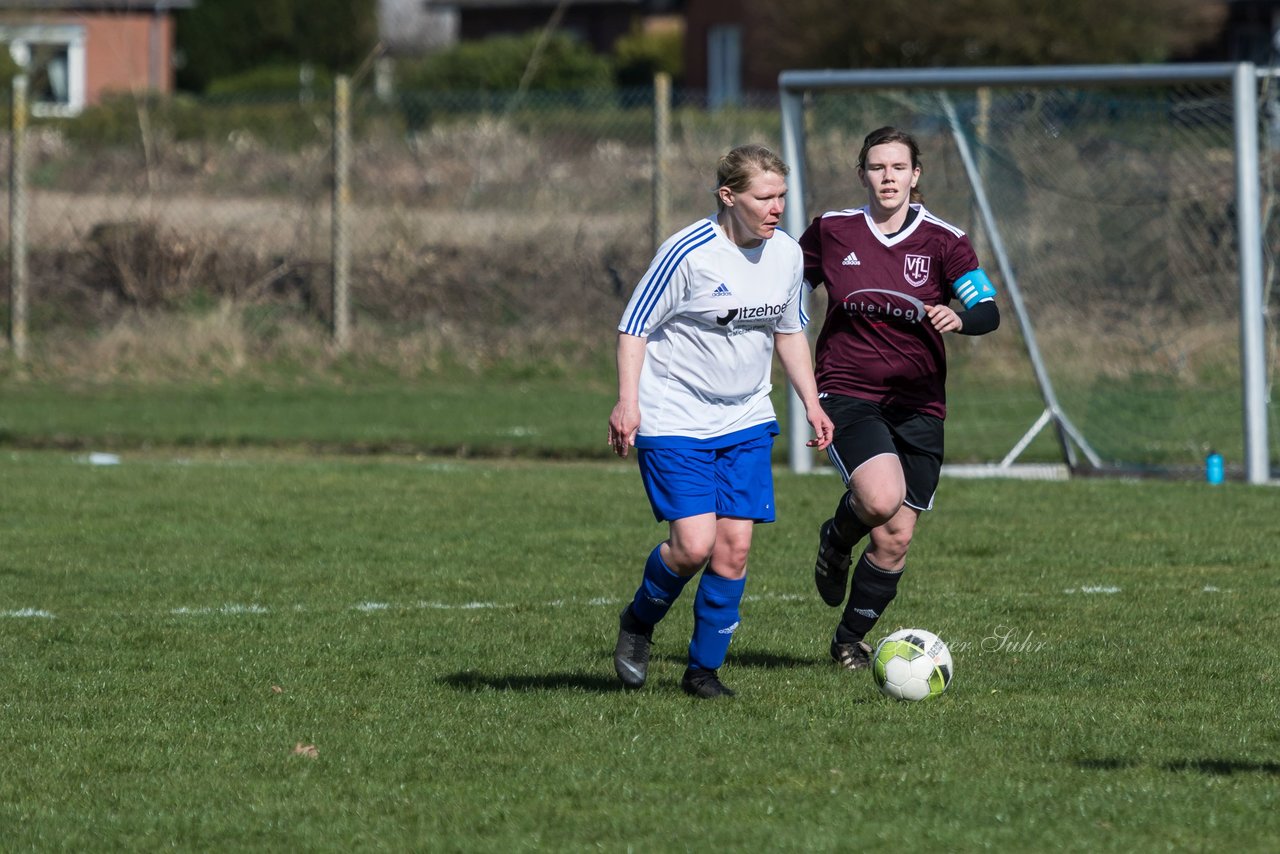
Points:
(174, 628)
(484, 417)
(543, 418)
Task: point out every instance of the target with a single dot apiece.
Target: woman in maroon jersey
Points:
(891, 269)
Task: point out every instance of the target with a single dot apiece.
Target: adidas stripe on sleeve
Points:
(658, 293)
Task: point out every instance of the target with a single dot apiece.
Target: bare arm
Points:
(793, 352)
(624, 421)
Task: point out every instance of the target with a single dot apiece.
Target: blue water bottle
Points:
(1213, 472)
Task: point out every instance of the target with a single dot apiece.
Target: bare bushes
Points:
(127, 266)
(143, 301)
(144, 266)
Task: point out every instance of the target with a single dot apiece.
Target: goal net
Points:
(1138, 329)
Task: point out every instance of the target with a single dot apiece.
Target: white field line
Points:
(376, 607)
(28, 613)
(223, 609)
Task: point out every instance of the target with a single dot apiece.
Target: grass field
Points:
(559, 418)
(273, 651)
(480, 417)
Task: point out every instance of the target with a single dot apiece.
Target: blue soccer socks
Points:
(658, 590)
(715, 618)
(716, 609)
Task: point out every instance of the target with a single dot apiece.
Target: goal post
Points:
(1121, 209)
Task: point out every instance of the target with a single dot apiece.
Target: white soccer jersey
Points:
(709, 310)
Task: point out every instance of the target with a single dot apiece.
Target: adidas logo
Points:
(730, 630)
(867, 612)
(722, 291)
(851, 260)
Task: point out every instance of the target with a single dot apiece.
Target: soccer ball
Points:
(912, 664)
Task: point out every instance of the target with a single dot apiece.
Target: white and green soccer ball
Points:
(912, 664)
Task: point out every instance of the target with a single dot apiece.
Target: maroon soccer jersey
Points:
(875, 342)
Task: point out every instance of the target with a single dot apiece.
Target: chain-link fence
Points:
(480, 226)
(1116, 205)
(509, 228)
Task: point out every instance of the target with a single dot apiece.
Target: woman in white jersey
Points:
(695, 352)
(891, 271)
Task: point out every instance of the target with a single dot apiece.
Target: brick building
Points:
(76, 51)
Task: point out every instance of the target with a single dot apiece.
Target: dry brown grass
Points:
(486, 245)
(226, 343)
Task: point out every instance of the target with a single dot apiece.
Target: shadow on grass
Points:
(1216, 767)
(747, 658)
(469, 681)
(774, 661)
(607, 682)
(1224, 767)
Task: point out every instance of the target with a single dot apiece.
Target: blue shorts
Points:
(736, 481)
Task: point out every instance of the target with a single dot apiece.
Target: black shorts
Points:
(865, 430)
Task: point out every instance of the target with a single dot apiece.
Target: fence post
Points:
(340, 247)
(661, 147)
(18, 221)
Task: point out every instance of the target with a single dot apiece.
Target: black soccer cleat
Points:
(704, 684)
(631, 653)
(831, 570)
(851, 656)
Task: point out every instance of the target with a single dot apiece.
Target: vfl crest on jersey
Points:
(915, 269)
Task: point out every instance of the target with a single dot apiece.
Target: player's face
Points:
(755, 213)
(889, 175)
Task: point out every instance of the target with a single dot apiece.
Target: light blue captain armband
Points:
(973, 287)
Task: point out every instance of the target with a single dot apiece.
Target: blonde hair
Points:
(736, 168)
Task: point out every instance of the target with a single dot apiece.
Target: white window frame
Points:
(71, 37)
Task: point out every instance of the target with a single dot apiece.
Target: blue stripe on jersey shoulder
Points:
(662, 274)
